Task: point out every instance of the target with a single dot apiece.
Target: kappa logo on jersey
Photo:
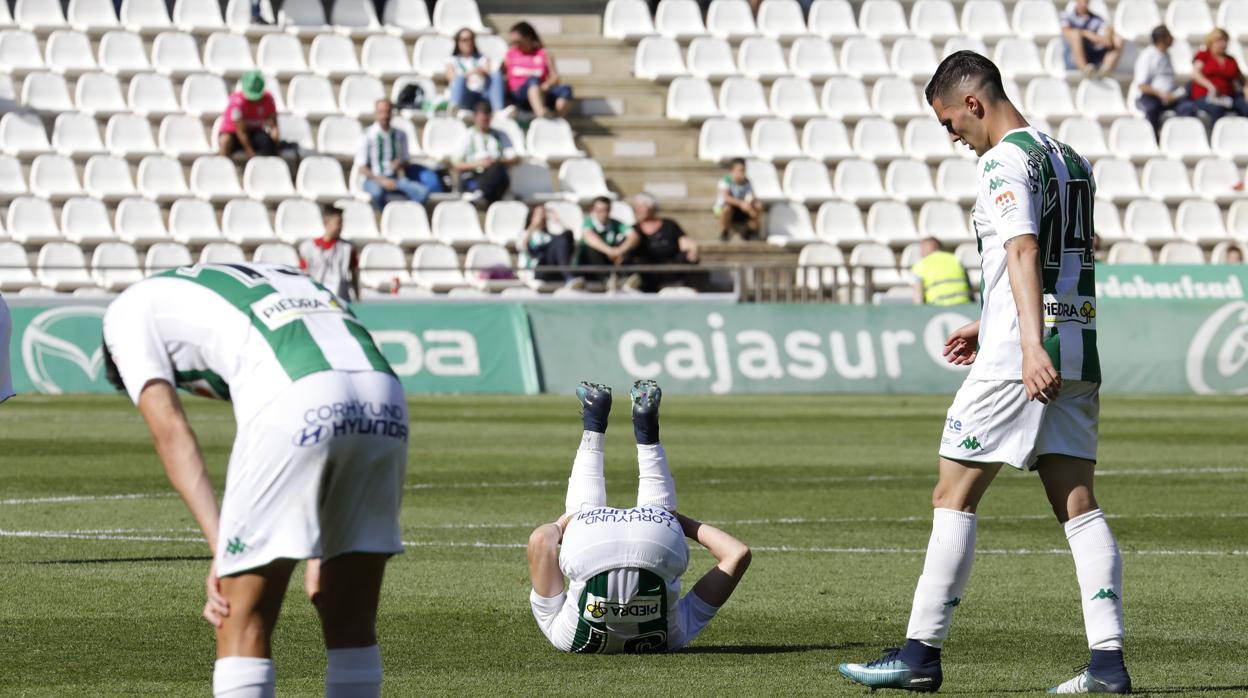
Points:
(1104, 594)
(235, 546)
(995, 184)
(276, 310)
(642, 609)
(970, 443)
(992, 165)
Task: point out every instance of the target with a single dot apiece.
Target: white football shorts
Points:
(992, 421)
(6, 336)
(318, 472)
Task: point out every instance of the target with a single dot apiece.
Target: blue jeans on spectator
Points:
(465, 98)
(1153, 109)
(521, 94)
(1216, 111)
(1093, 53)
(407, 188)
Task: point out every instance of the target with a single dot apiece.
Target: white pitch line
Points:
(516, 484)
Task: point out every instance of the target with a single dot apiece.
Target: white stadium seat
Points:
(985, 19)
(531, 181)
(781, 19)
(807, 182)
(193, 222)
(627, 19)
(303, 18)
(152, 96)
(582, 180)
(204, 95)
(1133, 139)
(222, 253)
(774, 140)
(1135, 20)
(1219, 252)
(359, 94)
(228, 55)
(945, 221)
(39, 16)
(333, 56)
(355, 18)
(730, 19)
(444, 138)
(691, 100)
(934, 19)
(1117, 181)
(1036, 20)
(551, 140)
(1149, 222)
(1184, 137)
(833, 20)
(914, 59)
(107, 177)
(15, 271)
(813, 58)
(924, 138)
(1107, 222)
(214, 178)
(1233, 17)
(164, 256)
(484, 257)
(794, 99)
(957, 181)
(297, 220)
(359, 221)
(891, 223)
(762, 58)
(858, 181)
(436, 267)
(965, 43)
(22, 135)
(197, 17)
(54, 177)
(1200, 222)
(840, 223)
(338, 136)
(61, 266)
(879, 261)
(845, 98)
(1127, 252)
(1230, 138)
(897, 99)
(122, 54)
(450, 17)
(1100, 99)
(183, 137)
(382, 265)
(710, 58)
(1180, 253)
(882, 19)
(267, 179)
(789, 224)
(30, 221)
(1085, 136)
(827, 140)
(1237, 220)
(877, 140)
(720, 140)
(320, 178)
(69, 53)
(679, 19)
(276, 253)
(764, 180)
(76, 135)
(19, 53)
(238, 18)
(406, 223)
(85, 221)
(93, 17)
(12, 181)
(385, 57)
(505, 222)
(139, 222)
(910, 182)
(1049, 98)
(430, 53)
(456, 223)
(311, 97)
(160, 179)
(864, 58)
(46, 92)
(743, 99)
(281, 55)
(130, 136)
(148, 17)
(1218, 180)
(245, 222)
(1189, 20)
(1019, 59)
(659, 58)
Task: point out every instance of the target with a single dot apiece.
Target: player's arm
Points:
(732, 560)
(543, 556)
(1040, 378)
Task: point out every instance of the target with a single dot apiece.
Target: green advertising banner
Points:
(433, 347)
(1169, 282)
(1145, 347)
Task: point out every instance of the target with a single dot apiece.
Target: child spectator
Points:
(735, 203)
(331, 260)
(249, 122)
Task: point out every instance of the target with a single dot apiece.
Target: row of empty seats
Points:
(888, 19)
(300, 17)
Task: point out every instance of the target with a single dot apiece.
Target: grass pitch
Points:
(101, 569)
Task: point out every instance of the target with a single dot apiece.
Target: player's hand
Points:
(1040, 379)
(961, 346)
(387, 183)
(217, 607)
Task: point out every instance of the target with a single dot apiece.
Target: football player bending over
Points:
(624, 565)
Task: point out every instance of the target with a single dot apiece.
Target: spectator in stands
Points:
(383, 161)
(602, 238)
(1154, 74)
(1234, 255)
(1217, 83)
(331, 260)
(487, 154)
(532, 80)
(470, 75)
(735, 203)
(939, 278)
(249, 122)
(1091, 46)
(540, 248)
(656, 240)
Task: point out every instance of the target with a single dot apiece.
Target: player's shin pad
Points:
(655, 486)
(586, 485)
(946, 569)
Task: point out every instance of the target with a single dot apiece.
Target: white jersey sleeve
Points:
(1005, 188)
(135, 345)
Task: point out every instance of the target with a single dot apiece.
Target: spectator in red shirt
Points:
(249, 122)
(1217, 83)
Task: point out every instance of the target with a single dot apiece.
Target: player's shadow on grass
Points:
(127, 560)
(1138, 690)
(766, 649)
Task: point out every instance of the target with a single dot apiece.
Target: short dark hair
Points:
(736, 161)
(600, 200)
(527, 31)
(110, 368)
(962, 66)
(330, 211)
(482, 106)
(1160, 34)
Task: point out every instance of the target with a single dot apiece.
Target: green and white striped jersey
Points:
(238, 332)
(1030, 184)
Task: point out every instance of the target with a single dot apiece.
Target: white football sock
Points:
(655, 486)
(1099, 567)
(244, 677)
(587, 488)
(950, 552)
(354, 672)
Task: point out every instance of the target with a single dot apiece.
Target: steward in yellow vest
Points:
(942, 280)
